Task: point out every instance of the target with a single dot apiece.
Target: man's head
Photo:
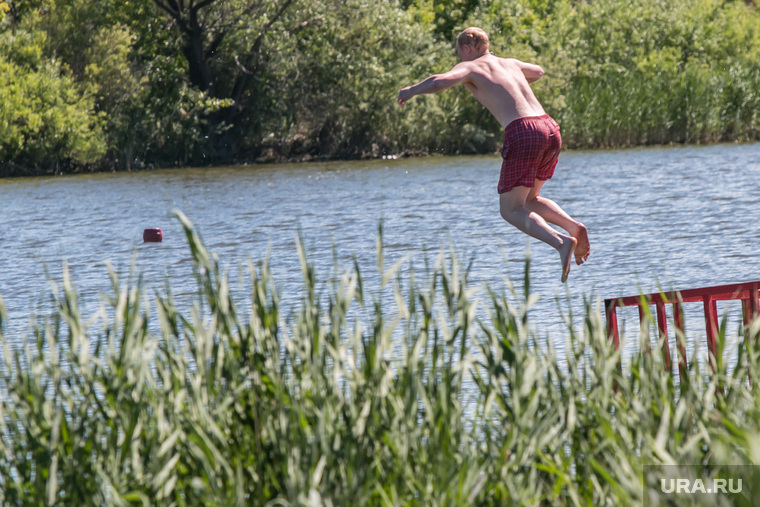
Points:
(472, 43)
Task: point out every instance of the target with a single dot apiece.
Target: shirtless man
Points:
(532, 141)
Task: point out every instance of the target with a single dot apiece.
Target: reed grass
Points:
(349, 399)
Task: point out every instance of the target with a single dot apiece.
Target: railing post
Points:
(750, 310)
(711, 327)
(610, 307)
(662, 325)
(680, 339)
(610, 310)
(746, 316)
(644, 327)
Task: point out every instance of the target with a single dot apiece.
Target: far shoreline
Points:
(19, 172)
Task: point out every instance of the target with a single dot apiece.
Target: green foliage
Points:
(114, 81)
(348, 72)
(151, 111)
(71, 26)
(319, 78)
(445, 16)
(657, 73)
(49, 120)
(45, 119)
(349, 399)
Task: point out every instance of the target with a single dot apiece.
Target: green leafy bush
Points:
(45, 121)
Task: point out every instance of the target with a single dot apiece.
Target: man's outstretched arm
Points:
(435, 83)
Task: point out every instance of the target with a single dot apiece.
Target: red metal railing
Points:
(708, 296)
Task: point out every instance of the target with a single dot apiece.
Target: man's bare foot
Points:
(583, 249)
(566, 255)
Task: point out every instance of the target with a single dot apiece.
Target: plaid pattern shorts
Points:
(531, 148)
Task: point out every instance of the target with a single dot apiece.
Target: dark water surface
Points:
(678, 218)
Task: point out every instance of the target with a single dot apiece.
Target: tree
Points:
(218, 41)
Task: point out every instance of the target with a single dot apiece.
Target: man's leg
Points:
(513, 210)
(554, 214)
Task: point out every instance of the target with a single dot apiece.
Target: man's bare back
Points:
(502, 85)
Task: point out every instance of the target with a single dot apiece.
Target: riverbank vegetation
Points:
(392, 392)
(99, 85)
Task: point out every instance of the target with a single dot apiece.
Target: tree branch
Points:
(285, 5)
(237, 90)
(251, 8)
(214, 45)
(175, 12)
(202, 4)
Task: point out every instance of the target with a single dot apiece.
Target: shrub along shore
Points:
(350, 400)
(125, 85)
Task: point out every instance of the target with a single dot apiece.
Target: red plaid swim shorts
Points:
(531, 148)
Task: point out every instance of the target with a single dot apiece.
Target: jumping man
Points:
(532, 141)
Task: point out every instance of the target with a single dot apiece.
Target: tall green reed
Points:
(397, 393)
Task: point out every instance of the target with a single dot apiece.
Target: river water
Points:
(675, 218)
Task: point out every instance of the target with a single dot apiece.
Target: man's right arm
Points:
(435, 83)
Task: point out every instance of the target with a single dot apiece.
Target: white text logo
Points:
(679, 486)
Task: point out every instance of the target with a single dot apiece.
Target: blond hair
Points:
(475, 37)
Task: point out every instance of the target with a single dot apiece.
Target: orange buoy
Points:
(153, 235)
